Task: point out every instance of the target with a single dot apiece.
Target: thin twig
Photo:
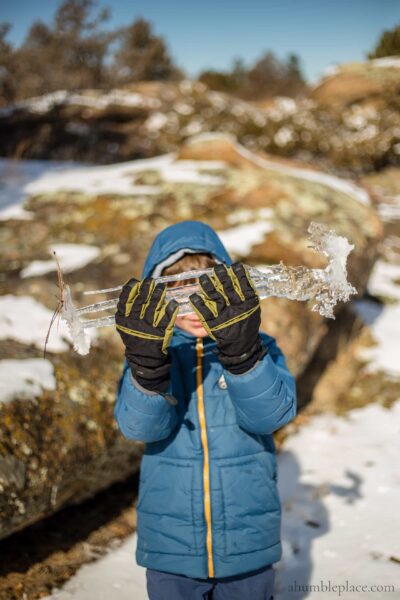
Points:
(60, 303)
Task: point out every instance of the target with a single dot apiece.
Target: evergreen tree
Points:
(143, 56)
(388, 44)
(268, 77)
(295, 82)
(7, 81)
(70, 54)
(264, 77)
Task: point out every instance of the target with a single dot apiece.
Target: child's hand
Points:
(145, 322)
(229, 309)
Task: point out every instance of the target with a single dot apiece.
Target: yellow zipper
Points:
(206, 467)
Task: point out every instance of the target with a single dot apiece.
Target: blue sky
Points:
(211, 33)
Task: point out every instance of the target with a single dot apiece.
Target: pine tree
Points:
(295, 82)
(265, 77)
(143, 56)
(388, 44)
(268, 77)
(7, 81)
(69, 54)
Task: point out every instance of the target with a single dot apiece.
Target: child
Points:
(206, 397)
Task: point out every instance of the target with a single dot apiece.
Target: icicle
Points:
(326, 286)
(70, 314)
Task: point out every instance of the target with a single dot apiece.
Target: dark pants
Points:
(257, 585)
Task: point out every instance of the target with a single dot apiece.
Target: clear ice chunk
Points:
(325, 286)
(70, 314)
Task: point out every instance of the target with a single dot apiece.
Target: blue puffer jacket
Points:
(208, 504)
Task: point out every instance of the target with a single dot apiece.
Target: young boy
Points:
(205, 392)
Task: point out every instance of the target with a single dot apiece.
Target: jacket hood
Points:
(181, 238)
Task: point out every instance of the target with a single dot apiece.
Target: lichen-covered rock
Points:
(61, 445)
(366, 83)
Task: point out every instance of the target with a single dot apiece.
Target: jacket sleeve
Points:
(265, 396)
(143, 415)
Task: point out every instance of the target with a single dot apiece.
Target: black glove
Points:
(145, 322)
(229, 309)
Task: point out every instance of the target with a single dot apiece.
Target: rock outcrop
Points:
(348, 123)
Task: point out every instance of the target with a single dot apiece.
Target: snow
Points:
(16, 176)
(286, 105)
(390, 211)
(340, 489)
(71, 257)
(247, 215)
(193, 127)
(381, 280)
(114, 576)
(119, 178)
(384, 323)
(156, 121)
(24, 319)
(25, 378)
(387, 61)
(331, 70)
(284, 136)
(21, 179)
(183, 108)
(340, 185)
(15, 213)
(386, 332)
(187, 171)
(91, 99)
(113, 179)
(239, 240)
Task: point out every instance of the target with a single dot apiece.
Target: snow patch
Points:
(16, 176)
(385, 322)
(91, 98)
(385, 329)
(331, 70)
(381, 280)
(25, 178)
(24, 319)
(187, 171)
(387, 61)
(25, 379)
(389, 211)
(109, 179)
(71, 257)
(115, 576)
(156, 121)
(240, 240)
(339, 515)
(246, 215)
